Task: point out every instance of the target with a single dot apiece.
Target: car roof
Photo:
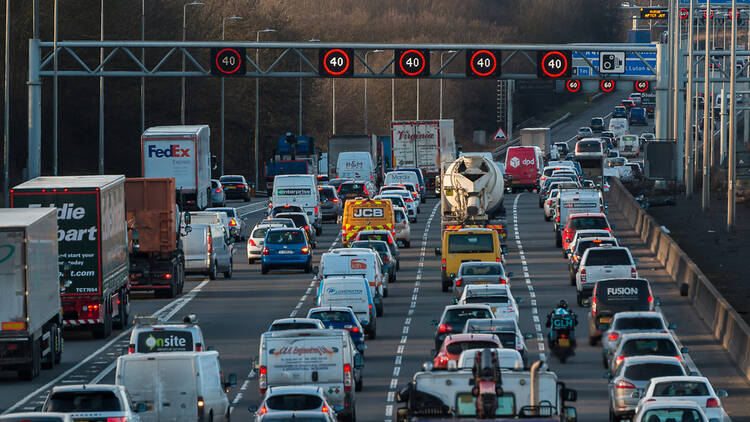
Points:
(478, 289)
(471, 336)
(478, 263)
(469, 306)
(286, 229)
(331, 309)
(86, 387)
(587, 214)
(691, 378)
(638, 314)
(661, 403)
(636, 360)
(295, 389)
(292, 320)
(631, 336)
(502, 323)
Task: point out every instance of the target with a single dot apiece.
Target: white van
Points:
(325, 358)
(350, 291)
(357, 165)
(300, 190)
(619, 126)
(176, 386)
(628, 145)
(356, 261)
(576, 201)
(398, 177)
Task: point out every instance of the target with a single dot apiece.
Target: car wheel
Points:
(213, 271)
(408, 243)
(371, 333)
(558, 241)
(319, 231)
(263, 269)
(385, 292)
(605, 364)
(359, 384)
(579, 298)
(250, 261)
(446, 287)
(379, 309)
(541, 204)
(228, 273)
(308, 267)
(592, 341)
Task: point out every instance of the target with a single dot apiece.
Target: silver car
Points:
(208, 250)
(632, 322)
(256, 238)
(92, 402)
(627, 384)
(480, 273)
(238, 227)
(402, 227)
(218, 196)
(331, 207)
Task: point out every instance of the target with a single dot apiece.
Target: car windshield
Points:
(456, 347)
(295, 418)
(556, 179)
(351, 188)
(649, 346)
(638, 323)
(326, 193)
(607, 257)
(487, 299)
(584, 223)
(84, 401)
(230, 212)
(231, 179)
(680, 389)
(672, 414)
(282, 326)
(281, 237)
(584, 129)
(332, 316)
(373, 236)
(294, 402)
(646, 371)
(590, 146)
(470, 243)
(482, 269)
(381, 247)
(457, 317)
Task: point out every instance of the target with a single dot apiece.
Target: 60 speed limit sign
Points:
(573, 85)
(607, 85)
(554, 64)
(641, 86)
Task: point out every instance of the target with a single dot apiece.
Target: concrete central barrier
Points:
(722, 319)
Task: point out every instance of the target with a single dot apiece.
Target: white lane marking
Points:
(407, 321)
(178, 303)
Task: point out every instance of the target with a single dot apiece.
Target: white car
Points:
(255, 240)
(402, 228)
(506, 358)
(505, 329)
(497, 296)
(92, 402)
(641, 344)
(296, 398)
(412, 205)
(586, 233)
(153, 336)
(668, 410)
(601, 263)
(690, 389)
(549, 204)
(399, 201)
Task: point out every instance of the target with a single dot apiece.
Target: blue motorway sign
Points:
(633, 65)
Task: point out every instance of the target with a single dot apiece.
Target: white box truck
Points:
(537, 137)
(176, 386)
(423, 145)
(30, 312)
(183, 153)
(350, 143)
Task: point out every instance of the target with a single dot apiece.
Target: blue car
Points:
(638, 116)
(286, 248)
(339, 317)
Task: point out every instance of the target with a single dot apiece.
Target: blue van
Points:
(638, 116)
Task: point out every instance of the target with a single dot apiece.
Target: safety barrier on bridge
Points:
(722, 319)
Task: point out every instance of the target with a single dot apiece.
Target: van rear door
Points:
(305, 360)
(176, 380)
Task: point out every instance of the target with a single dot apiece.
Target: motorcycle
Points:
(562, 336)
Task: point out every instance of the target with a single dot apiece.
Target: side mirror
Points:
(657, 301)
(570, 414)
(684, 350)
(635, 395)
(452, 276)
(359, 362)
(188, 229)
(188, 218)
(722, 393)
(607, 375)
(454, 301)
(636, 260)
(504, 249)
(213, 162)
(438, 252)
(519, 300)
(315, 270)
(672, 326)
(511, 274)
(569, 394)
(528, 336)
(140, 408)
(252, 409)
(338, 409)
(434, 322)
(232, 380)
(586, 301)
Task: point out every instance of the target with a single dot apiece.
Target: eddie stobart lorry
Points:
(92, 246)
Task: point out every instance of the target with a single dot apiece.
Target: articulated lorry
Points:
(92, 246)
(157, 260)
(424, 145)
(184, 154)
(30, 316)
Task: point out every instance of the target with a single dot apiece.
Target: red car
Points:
(583, 221)
(454, 344)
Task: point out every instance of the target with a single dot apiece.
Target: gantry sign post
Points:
(334, 60)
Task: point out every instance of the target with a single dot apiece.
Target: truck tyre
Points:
(124, 319)
(32, 369)
(212, 272)
(59, 345)
(49, 361)
(104, 329)
(228, 273)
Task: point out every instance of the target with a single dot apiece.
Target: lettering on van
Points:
(622, 291)
(368, 213)
(165, 341)
(294, 192)
(358, 264)
(353, 165)
(403, 134)
(170, 151)
(299, 351)
(331, 291)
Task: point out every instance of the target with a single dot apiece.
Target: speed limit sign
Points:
(684, 13)
(553, 64)
(641, 86)
(412, 63)
(482, 63)
(607, 85)
(573, 85)
(335, 62)
(228, 61)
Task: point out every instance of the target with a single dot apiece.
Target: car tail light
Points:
(324, 409)
(558, 218)
(650, 298)
(347, 377)
(118, 419)
(198, 347)
(316, 210)
(414, 194)
(459, 282)
(263, 379)
(208, 243)
(624, 385)
(442, 265)
(369, 306)
(583, 275)
(497, 259)
(266, 251)
(263, 410)
(353, 329)
(307, 228)
(549, 202)
(614, 335)
(510, 307)
(305, 250)
(218, 190)
(712, 402)
(167, 276)
(131, 349)
(502, 280)
(408, 200)
(335, 200)
(679, 358)
(445, 328)
(390, 241)
(201, 406)
(386, 259)
(619, 360)
(251, 242)
(633, 272)
(232, 222)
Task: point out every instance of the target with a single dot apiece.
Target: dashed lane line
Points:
(390, 397)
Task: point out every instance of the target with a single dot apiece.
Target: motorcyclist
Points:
(561, 309)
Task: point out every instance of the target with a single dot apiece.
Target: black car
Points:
(235, 187)
(352, 190)
(597, 124)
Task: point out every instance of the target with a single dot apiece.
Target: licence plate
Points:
(564, 342)
(286, 252)
(482, 282)
(606, 320)
(231, 187)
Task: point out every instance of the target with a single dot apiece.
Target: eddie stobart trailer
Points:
(92, 246)
(30, 316)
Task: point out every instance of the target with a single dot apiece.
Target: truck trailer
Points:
(92, 246)
(424, 145)
(30, 316)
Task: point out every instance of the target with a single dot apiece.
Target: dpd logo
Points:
(172, 151)
(515, 162)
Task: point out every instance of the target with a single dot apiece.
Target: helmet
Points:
(562, 304)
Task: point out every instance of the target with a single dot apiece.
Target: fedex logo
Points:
(172, 151)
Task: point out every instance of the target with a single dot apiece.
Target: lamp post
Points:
(6, 129)
(184, 34)
(366, 54)
(441, 81)
(299, 129)
(54, 91)
(223, 32)
(257, 106)
(101, 90)
(143, 61)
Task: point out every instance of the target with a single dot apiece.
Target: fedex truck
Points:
(182, 153)
(423, 145)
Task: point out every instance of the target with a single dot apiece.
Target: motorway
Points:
(234, 312)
